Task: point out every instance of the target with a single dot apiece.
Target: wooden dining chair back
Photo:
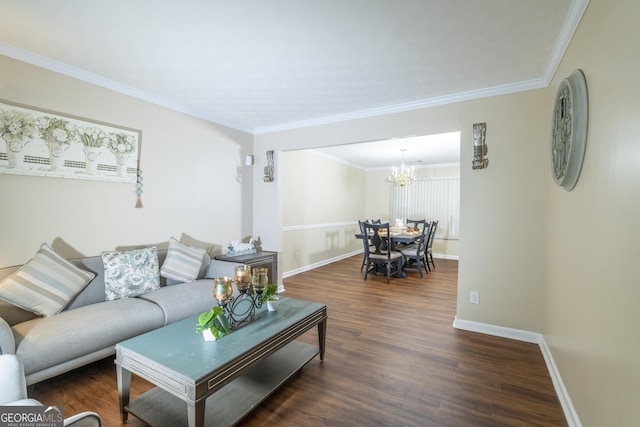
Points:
(378, 259)
(429, 249)
(365, 243)
(415, 255)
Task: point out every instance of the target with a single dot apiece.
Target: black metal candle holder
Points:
(241, 309)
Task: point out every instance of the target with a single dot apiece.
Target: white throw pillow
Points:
(130, 273)
(183, 262)
(45, 284)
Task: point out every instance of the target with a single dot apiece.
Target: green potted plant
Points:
(270, 297)
(213, 324)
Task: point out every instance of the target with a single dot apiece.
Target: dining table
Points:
(396, 237)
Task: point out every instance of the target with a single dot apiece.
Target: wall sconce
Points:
(479, 146)
(268, 170)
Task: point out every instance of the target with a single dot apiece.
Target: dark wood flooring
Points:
(393, 359)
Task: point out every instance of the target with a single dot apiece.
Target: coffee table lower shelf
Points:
(231, 403)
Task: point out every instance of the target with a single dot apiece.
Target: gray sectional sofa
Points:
(89, 327)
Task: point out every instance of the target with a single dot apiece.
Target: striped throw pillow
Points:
(183, 262)
(45, 284)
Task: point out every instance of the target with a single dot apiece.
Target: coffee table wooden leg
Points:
(124, 390)
(195, 412)
(322, 336)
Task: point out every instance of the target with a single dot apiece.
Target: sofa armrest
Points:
(7, 341)
(84, 419)
(14, 387)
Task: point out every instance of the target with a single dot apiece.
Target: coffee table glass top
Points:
(178, 347)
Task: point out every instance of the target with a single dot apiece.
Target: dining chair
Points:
(375, 257)
(419, 224)
(416, 255)
(429, 249)
(365, 243)
(414, 223)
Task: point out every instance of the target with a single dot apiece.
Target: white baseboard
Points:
(498, 331)
(302, 269)
(558, 385)
(531, 337)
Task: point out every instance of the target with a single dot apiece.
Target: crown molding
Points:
(409, 106)
(574, 15)
(41, 61)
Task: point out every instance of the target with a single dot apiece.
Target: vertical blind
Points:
(431, 199)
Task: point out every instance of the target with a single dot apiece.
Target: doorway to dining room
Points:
(326, 190)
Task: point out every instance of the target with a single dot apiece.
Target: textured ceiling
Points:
(266, 65)
(442, 149)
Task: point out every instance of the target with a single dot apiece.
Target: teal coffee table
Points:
(217, 383)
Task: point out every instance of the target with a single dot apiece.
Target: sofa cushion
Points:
(183, 262)
(183, 300)
(130, 273)
(13, 314)
(75, 333)
(45, 284)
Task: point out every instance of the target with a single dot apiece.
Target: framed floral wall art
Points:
(50, 144)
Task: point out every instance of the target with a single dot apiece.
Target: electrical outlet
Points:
(474, 297)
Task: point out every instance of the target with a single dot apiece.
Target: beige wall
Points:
(321, 200)
(545, 260)
(591, 285)
(195, 186)
(502, 207)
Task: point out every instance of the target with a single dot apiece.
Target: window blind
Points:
(431, 199)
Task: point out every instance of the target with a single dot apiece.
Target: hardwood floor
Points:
(393, 359)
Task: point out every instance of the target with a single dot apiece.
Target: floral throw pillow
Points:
(130, 273)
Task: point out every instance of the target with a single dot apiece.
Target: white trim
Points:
(341, 257)
(321, 153)
(535, 338)
(563, 395)
(409, 106)
(315, 226)
(498, 331)
(574, 15)
(41, 61)
(77, 73)
(443, 256)
(293, 272)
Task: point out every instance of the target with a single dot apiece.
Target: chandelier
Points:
(404, 176)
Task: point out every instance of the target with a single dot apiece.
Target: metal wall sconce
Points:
(268, 170)
(479, 146)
